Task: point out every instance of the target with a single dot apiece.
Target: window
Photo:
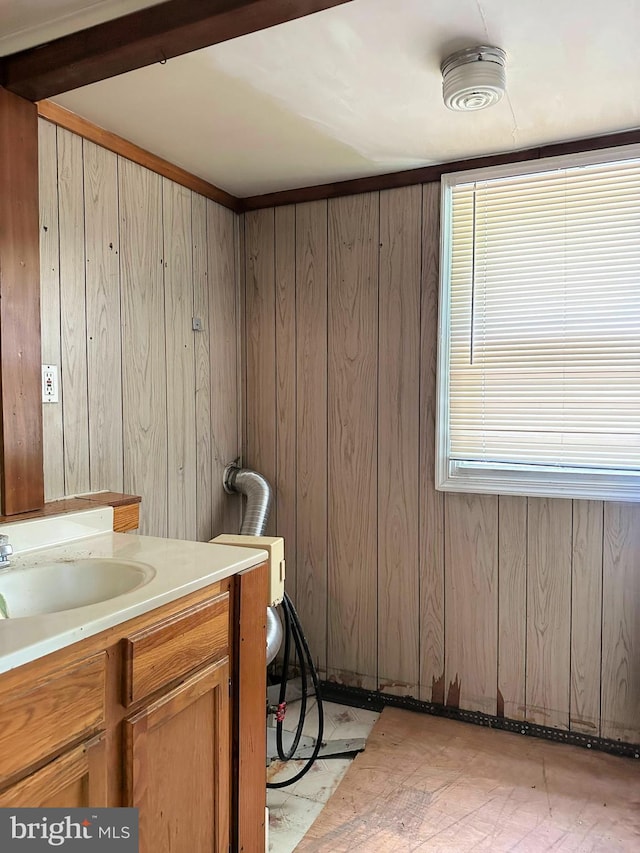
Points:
(539, 349)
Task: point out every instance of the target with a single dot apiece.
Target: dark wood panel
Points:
(20, 358)
(251, 592)
(143, 38)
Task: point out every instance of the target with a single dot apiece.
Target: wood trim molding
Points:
(111, 141)
(144, 37)
(126, 509)
(21, 473)
(251, 597)
(427, 174)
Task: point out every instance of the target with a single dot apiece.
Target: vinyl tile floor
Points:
(293, 809)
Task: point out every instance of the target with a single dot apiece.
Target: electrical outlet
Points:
(49, 383)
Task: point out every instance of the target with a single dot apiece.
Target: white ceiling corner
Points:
(356, 90)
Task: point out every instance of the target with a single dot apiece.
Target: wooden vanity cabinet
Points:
(151, 714)
(77, 778)
(178, 765)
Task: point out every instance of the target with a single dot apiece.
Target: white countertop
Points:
(180, 567)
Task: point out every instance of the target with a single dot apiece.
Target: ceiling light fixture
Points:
(473, 78)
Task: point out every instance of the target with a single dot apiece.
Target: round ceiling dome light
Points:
(473, 78)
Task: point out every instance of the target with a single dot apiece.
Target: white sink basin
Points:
(69, 584)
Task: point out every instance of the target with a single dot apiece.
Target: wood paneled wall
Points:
(147, 405)
(523, 607)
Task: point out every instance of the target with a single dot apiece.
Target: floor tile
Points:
(289, 819)
(318, 783)
(293, 809)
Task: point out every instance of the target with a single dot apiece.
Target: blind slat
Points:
(544, 318)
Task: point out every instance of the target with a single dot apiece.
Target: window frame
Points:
(511, 478)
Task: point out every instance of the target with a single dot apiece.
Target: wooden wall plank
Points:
(73, 372)
(53, 446)
(398, 440)
(261, 347)
(286, 433)
(223, 323)
(143, 344)
(512, 605)
(471, 601)
(311, 419)
(104, 345)
(352, 451)
(586, 616)
(621, 622)
(549, 545)
(241, 348)
(180, 360)
(204, 485)
(431, 502)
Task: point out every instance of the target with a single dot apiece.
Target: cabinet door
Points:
(76, 779)
(177, 766)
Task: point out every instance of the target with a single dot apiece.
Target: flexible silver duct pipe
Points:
(257, 490)
(258, 493)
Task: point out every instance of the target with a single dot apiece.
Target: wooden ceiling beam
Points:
(142, 38)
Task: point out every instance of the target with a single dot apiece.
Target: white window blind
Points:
(539, 375)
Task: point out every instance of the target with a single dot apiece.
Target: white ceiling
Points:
(356, 90)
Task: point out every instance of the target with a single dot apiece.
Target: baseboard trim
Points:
(356, 697)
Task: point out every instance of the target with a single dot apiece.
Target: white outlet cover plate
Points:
(49, 383)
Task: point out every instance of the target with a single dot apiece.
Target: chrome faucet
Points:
(5, 551)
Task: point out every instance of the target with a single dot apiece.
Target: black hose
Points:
(295, 633)
(290, 631)
(294, 627)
